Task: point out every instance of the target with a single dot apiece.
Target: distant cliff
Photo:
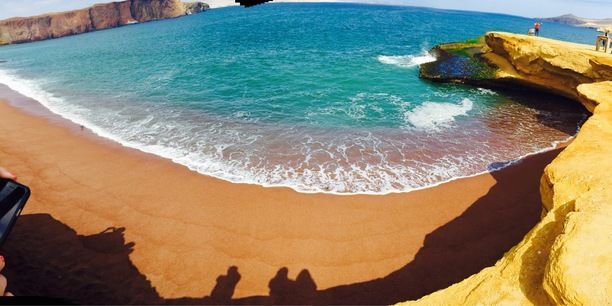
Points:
(100, 16)
(581, 22)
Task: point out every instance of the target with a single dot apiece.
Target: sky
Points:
(527, 8)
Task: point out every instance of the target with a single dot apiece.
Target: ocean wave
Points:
(407, 61)
(434, 115)
(359, 106)
(486, 92)
(32, 89)
(309, 160)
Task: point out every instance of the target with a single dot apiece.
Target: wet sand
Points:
(109, 224)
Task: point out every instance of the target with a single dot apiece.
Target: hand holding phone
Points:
(13, 197)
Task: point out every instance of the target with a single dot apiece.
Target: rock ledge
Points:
(567, 258)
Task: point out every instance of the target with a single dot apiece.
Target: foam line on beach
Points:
(59, 107)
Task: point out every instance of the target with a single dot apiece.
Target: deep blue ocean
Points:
(317, 97)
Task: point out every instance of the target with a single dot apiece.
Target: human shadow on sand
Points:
(47, 258)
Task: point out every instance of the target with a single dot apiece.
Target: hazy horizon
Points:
(544, 8)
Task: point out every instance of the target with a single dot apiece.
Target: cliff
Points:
(510, 60)
(98, 17)
(581, 22)
(566, 258)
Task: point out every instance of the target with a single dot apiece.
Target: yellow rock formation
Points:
(567, 258)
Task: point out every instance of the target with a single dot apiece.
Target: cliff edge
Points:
(566, 259)
(98, 17)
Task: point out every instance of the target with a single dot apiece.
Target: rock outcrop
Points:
(552, 65)
(571, 19)
(110, 15)
(98, 17)
(513, 60)
(567, 258)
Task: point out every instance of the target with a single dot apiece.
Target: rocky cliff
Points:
(567, 258)
(581, 22)
(98, 17)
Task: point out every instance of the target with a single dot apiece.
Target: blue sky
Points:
(529, 8)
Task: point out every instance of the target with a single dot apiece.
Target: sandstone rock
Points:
(19, 30)
(593, 94)
(195, 7)
(579, 270)
(69, 23)
(540, 63)
(566, 259)
(98, 17)
(602, 67)
(110, 15)
(145, 10)
(552, 65)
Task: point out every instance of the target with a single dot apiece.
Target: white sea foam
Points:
(360, 162)
(407, 61)
(357, 106)
(433, 115)
(484, 91)
(32, 90)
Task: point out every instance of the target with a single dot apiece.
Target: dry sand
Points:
(108, 224)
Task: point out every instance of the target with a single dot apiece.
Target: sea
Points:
(318, 97)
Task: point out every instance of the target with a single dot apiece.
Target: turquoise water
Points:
(317, 97)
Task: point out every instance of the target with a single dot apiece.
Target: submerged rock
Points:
(98, 17)
(566, 259)
(457, 62)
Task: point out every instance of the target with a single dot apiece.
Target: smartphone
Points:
(13, 197)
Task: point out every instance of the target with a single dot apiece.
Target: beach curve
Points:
(198, 226)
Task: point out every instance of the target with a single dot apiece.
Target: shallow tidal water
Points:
(316, 97)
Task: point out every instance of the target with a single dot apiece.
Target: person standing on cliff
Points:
(537, 26)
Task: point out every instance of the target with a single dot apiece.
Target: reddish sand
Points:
(108, 224)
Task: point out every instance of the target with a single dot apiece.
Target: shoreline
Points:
(73, 173)
(18, 92)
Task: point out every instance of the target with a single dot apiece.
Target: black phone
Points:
(13, 197)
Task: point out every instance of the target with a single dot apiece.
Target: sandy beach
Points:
(108, 224)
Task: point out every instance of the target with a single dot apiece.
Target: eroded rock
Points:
(98, 17)
(566, 259)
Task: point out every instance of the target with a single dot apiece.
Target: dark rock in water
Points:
(457, 62)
